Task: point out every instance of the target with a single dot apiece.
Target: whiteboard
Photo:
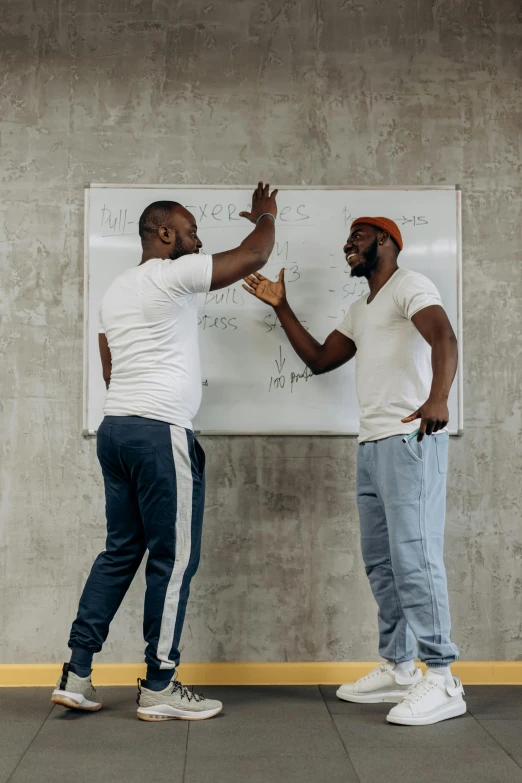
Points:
(252, 380)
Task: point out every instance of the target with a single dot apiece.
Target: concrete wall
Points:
(323, 92)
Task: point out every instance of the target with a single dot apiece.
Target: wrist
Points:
(277, 307)
(264, 215)
(438, 396)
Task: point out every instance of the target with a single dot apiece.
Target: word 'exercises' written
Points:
(121, 222)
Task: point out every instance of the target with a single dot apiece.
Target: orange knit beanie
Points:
(385, 224)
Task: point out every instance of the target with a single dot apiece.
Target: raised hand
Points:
(273, 292)
(262, 201)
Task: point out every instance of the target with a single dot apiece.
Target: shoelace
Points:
(381, 669)
(177, 686)
(185, 693)
(419, 690)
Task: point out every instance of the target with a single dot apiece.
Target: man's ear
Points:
(167, 235)
(383, 236)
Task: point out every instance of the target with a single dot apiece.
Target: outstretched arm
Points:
(320, 358)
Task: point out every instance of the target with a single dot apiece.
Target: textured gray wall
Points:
(322, 92)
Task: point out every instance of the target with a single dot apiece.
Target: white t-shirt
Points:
(149, 315)
(393, 360)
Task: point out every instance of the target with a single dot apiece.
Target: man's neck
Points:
(148, 255)
(381, 276)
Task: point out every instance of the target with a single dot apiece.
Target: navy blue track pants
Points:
(154, 475)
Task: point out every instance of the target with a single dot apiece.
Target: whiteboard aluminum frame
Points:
(460, 342)
(315, 433)
(85, 429)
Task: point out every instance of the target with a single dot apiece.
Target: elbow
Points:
(319, 364)
(255, 254)
(451, 342)
(261, 260)
(451, 337)
(316, 368)
(259, 253)
(444, 338)
(455, 348)
(256, 262)
(454, 345)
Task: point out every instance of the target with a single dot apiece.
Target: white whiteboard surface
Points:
(253, 381)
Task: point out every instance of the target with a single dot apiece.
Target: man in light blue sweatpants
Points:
(406, 359)
(401, 495)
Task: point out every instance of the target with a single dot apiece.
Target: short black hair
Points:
(156, 215)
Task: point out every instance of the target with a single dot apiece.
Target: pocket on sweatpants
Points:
(198, 448)
(415, 448)
(140, 462)
(441, 447)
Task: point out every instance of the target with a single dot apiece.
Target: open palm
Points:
(273, 292)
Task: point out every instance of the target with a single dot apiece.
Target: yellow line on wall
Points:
(46, 674)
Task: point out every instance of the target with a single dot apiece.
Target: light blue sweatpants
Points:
(401, 496)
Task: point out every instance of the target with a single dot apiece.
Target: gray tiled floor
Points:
(264, 735)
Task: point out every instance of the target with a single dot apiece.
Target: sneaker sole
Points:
(443, 713)
(165, 712)
(391, 697)
(75, 701)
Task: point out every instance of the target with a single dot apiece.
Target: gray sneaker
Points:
(75, 692)
(175, 702)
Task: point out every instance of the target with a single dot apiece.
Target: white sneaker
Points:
(429, 701)
(382, 684)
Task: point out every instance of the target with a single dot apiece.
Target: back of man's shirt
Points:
(149, 316)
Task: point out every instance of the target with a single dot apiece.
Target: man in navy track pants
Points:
(153, 466)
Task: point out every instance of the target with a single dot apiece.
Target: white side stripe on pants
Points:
(182, 542)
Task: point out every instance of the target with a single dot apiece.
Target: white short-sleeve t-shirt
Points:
(149, 316)
(393, 360)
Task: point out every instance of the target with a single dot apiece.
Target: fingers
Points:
(282, 275)
(410, 418)
(430, 424)
(422, 430)
(255, 279)
(250, 290)
(263, 190)
(438, 426)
